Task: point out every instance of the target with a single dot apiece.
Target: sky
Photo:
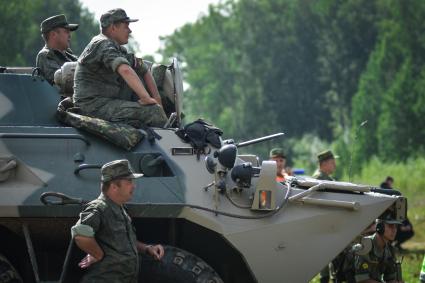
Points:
(156, 17)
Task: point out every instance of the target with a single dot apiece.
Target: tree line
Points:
(311, 69)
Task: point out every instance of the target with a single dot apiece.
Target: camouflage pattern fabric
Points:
(112, 228)
(122, 135)
(50, 60)
(118, 169)
(376, 265)
(319, 175)
(113, 16)
(127, 112)
(98, 87)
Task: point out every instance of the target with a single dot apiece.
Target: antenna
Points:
(352, 147)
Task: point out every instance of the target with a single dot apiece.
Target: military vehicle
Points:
(220, 214)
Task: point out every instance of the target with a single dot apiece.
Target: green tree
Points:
(20, 32)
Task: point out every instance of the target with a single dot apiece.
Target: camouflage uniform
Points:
(101, 92)
(50, 60)
(319, 175)
(109, 223)
(377, 264)
(324, 273)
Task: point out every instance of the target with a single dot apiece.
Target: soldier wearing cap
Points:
(56, 32)
(327, 166)
(278, 155)
(105, 232)
(378, 264)
(106, 72)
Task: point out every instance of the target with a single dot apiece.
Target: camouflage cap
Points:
(277, 152)
(118, 169)
(325, 155)
(388, 217)
(113, 16)
(55, 22)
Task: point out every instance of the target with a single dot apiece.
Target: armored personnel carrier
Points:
(221, 215)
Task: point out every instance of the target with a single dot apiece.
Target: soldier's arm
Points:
(47, 65)
(83, 233)
(133, 81)
(157, 251)
(90, 246)
(152, 88)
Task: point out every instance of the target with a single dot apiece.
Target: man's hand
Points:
(157, 251)
(147, 101)
(87, 261)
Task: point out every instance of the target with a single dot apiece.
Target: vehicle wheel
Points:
(177, 266)
(7, 271)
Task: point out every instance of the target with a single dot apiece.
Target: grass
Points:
(409, 180)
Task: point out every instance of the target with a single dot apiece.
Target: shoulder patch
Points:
(365, 265)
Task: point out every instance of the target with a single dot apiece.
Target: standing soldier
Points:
(56, 32)
(105, 230)
(327, 166)
(278, 155)
(378, 264)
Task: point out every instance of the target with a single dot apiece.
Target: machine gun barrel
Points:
(254, 141)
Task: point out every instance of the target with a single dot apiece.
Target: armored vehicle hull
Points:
(224, 230)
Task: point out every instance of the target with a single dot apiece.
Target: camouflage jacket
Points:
(111, 226)
(322, 176)
(378, 264)
(49, 60)
(96, 72)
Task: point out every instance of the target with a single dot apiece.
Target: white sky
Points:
(156, 17)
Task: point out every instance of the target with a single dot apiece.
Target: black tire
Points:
(7, 272)
(177, 266)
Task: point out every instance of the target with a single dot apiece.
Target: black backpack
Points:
(199, 133)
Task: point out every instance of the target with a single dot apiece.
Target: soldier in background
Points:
(327, 166)
(106, 71)
(378, 264)
(278, 155)
(105, 231)
(56, 32)
(405, 230)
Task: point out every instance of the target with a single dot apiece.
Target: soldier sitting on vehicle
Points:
(106, 72)
(56, 32)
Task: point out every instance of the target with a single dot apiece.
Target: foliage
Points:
(310, 67)
(20, 31)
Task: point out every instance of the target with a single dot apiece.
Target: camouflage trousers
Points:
(124, 111)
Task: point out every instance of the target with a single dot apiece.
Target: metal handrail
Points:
(86, 166)
(44, 136)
